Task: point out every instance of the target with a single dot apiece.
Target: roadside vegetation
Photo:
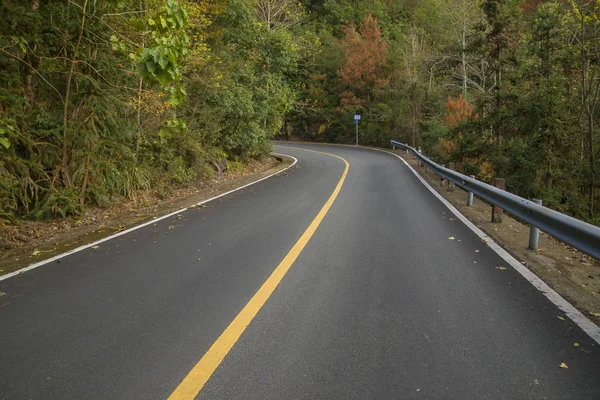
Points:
(103, 99)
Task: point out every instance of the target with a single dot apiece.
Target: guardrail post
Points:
(441, 177)
(406, 144)
(450, 183)
(470, 195)
(393, 147)
(534, 232)
(497, 212)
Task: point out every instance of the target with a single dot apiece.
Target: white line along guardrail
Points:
(581, 235)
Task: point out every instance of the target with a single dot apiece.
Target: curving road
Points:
(369, 300)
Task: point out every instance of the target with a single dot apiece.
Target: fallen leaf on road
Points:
(36, 253)
(179, 216)
(2, 294)
(171, 226)
(95, 247)
(559, 317)
(576, 344)
(501, 268)
(451, 238)
(476, 251)
(563, 365)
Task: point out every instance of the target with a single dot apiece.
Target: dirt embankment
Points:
(571, 273)
(29, 242)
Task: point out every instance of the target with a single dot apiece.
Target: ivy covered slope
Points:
(107, 98)
(103, 99)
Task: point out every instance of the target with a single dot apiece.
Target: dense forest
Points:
(103, 98)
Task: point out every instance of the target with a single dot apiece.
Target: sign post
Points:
(356, 119)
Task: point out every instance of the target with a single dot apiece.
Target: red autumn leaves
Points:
(366, 55)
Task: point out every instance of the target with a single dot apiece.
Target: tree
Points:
(364, 71)
(585, 27)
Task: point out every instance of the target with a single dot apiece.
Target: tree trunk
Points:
(464, 61)
(34, 61)
(65, 145)
(591, 159)
(139, 121)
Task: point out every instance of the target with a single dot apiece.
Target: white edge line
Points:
(153, 221)
(570, 311)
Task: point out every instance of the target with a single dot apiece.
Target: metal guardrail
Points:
(581, 235)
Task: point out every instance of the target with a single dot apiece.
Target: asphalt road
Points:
(380, 304)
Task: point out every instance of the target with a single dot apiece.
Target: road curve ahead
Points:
(336, 279)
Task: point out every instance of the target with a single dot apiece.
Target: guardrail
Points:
(581, 235)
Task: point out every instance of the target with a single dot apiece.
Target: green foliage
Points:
(117, 97)
(527, 69)
(5, 130)
(58, 202)
(161, 63)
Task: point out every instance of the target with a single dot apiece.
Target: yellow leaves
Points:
(595, 314)
(563, 366)
(171, 226)
(576, 344)
(559, 317)
(37, 252)
(95, 247)
(501, 268)
(451, 238)
(2, 294)
(150, 102)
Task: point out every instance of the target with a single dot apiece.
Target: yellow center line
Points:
(203, 370)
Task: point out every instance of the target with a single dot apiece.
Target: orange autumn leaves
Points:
(458, 111)
(365, 69)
